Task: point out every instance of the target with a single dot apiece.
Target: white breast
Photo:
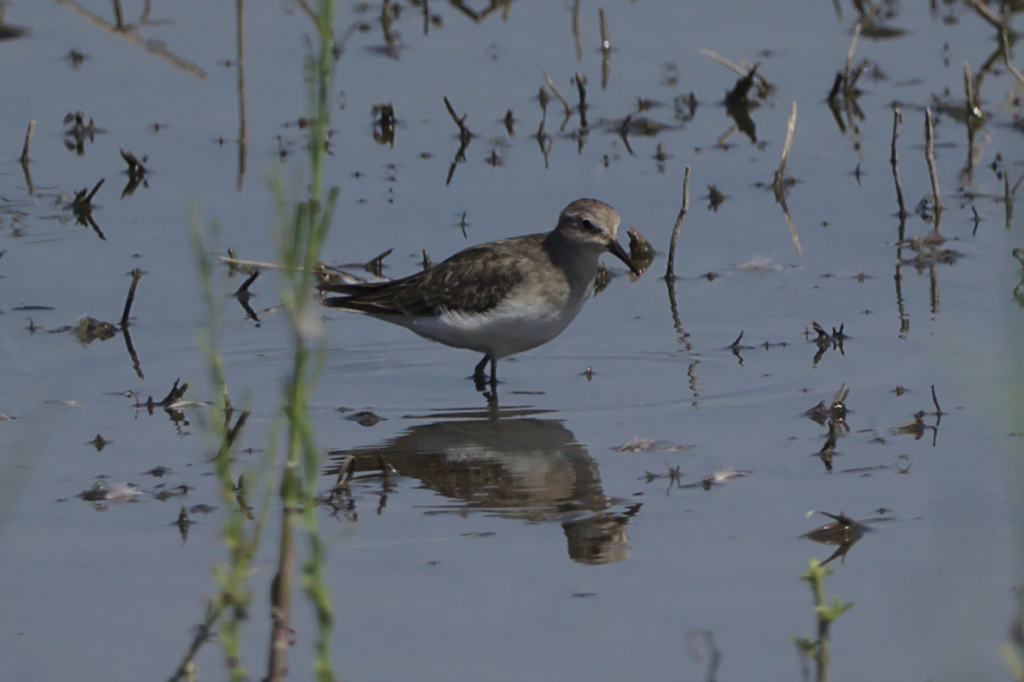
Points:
(514, 326)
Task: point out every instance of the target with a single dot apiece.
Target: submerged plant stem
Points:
(670, 271)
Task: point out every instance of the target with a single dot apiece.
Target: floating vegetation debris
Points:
(638, 444)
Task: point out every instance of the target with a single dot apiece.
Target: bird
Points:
(502, 297)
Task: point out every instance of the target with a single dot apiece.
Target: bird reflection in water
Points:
(513, 465)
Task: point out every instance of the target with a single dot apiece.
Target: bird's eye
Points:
(588, 225)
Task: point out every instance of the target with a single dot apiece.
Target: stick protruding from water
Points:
(670, 274)
(28, 140)
(929, 155)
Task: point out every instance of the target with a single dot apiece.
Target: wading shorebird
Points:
(502, 297)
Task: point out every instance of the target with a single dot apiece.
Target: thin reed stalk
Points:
(301, 233)
(299, 242)
(230, 607)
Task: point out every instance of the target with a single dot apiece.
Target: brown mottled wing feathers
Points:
(473, 281)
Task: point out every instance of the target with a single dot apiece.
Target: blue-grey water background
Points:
(452, 578)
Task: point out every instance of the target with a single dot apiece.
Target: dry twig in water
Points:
(606, 50)
(464, 133)
(250, 263)
(581, 89)
(1004, 43)
(670, 274)
(779, 184)
(973, 107)
(929, 155)
(897, 119)
(136, 275)
(558, 95)
(724, 62)
(576, 30)
(154, 47)
(743, 71)
(780, 174)
(857, 28)
(606, 41)
(988, 15)
(28, 140)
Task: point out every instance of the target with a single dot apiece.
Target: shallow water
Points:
(529, 545)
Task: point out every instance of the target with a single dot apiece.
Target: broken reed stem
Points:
(670, 272)
(972, 102)
(1016, 186)
(28, 140)
(606, 51)
(724, 62)
(243, 125)
(253, 263)
(857, 27)
(154, 47)
(464, 133)
(451, 112)
(94, 190)
(136, 275)
(988, 15)
(929, 155)
(897, 119)
(779, 183)
(576, 30)
(780, 175)
(306, 8)
(1007, 200)
(606, 41)
(1005, 44)
(581, 89)
(543, 98)
(558, 95)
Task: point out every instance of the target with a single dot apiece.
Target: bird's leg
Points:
(478, 373)
(492, 404)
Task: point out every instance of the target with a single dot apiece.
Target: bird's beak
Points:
(616, 249)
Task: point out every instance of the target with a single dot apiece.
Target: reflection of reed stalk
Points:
(301, 235)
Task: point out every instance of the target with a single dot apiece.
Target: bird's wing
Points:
(472, 281)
